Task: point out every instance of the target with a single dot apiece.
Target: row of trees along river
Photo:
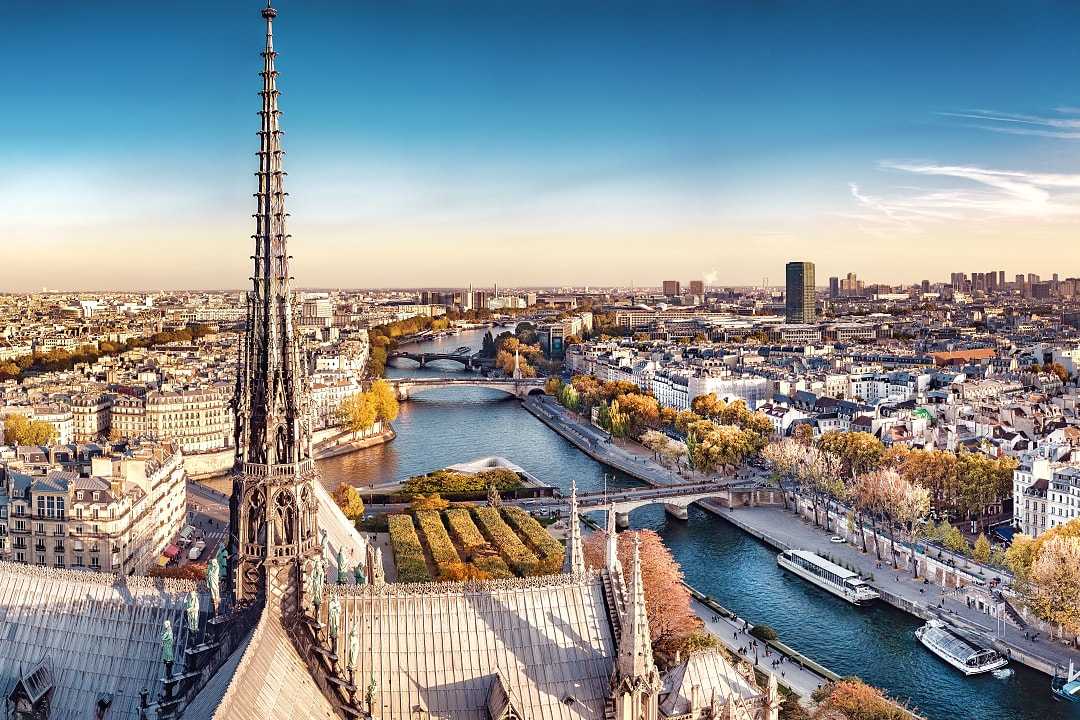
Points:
(442, 427)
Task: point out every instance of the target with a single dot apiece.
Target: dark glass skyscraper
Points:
(799, 301)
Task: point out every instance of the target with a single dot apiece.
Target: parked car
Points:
(837, 539)
(196, 550)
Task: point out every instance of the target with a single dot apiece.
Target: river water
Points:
(437, 428)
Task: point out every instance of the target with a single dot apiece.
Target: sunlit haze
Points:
(436, 144)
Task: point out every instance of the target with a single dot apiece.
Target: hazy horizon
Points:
(541, 145)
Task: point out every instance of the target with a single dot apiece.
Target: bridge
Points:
(675, 498)
(463, 355)
(520, 388)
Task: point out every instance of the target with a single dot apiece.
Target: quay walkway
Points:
(783, 529)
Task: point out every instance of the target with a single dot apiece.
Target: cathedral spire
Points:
(635, 645)
(273, 506)
(611, 556)
(575, 558)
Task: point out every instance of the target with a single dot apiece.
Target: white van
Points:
(196, 550)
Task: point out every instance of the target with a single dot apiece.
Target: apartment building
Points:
(117, 520)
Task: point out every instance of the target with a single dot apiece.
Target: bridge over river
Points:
(518, 387)
(675, 498)
(463, 355)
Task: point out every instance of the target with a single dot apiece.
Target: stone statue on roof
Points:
(318, 580)
(222, 557)
(192, 609)
(353, 650)
(167, 644)
(334, 616)
(213, 581)
(358, 574)
(377, 577)
(340, 565)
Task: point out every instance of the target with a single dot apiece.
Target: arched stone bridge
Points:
(463, 355)
(675, 498)
(519, 388)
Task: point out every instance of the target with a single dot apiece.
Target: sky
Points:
(541, 143)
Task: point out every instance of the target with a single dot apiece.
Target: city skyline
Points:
(435, 150)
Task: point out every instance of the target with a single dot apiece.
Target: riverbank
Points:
(346, 442)
(778, 529)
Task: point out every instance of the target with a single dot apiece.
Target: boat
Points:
(828, 575)
(1066, 688)
(958, 650)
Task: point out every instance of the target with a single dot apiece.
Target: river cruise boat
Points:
(960, 652)
(828, 575)
(1066, 688)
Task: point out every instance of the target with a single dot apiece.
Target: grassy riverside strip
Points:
(475, 547)
(437, 541)
(520, 558)
(549, 550)
(408, 552)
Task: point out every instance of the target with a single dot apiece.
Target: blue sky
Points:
(542, 143)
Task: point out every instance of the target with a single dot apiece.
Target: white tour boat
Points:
(828, 575)
(960, 652)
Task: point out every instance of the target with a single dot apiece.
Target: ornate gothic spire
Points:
(611, 559)
(272, 427)
(273, 520)
(635, 644)
(575, 558)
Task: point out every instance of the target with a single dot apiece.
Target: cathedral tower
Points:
(273, 510)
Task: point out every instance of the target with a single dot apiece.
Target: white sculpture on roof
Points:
(167, 643)
(191, 606)
(213, 582)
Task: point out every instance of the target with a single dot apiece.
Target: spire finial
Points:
(269, 12)
(575, 558)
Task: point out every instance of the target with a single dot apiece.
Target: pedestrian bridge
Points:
(676, 499)
(520, 388)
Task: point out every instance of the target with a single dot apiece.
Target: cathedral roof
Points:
(438, 646)
(269, 681)
(702, 676)
(99, 635)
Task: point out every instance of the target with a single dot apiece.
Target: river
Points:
(437, 428)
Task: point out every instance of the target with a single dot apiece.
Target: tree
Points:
(1059, 370)
(655, 441)
(1052, 588)
(358, 412)
(641, 411)
(9, 370)
(348, 499)
(553, 385)
(385, 400)
(981, 552)
(859, 452)
(672, 622)
(784, 456)
(852, 699)
(21, 430)
(434, 501)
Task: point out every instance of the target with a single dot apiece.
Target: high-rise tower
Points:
(273, 507)
(799, 302)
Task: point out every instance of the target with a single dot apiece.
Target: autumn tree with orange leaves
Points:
(672, 623)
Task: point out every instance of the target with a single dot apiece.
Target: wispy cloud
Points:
(1060, 126)
(970, 194)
